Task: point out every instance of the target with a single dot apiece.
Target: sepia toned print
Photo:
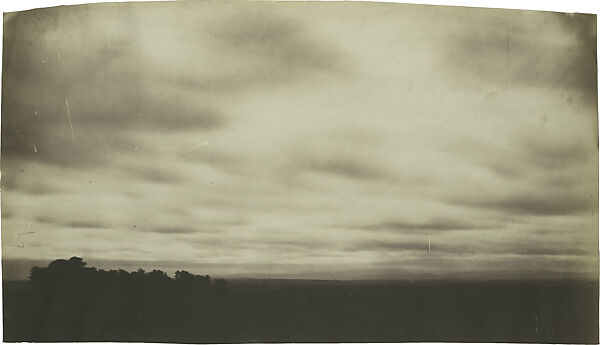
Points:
(239, 172)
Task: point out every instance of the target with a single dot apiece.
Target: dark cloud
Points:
(83, 224)
(346, 167)
(431, 245)
(36, 85)
(277, 49)
(550, 249)
(45, 135)
(297, 244)
(549, 153)
(265, 244)
(11, 181)
(39, 189)
(516, 48)
(154, 174)
(582, 72)
(44, 219)
(547, 162)
(73, 92)
(57, 56)
(535, 203)
(432, 225)
(129, 104)
(395, 246)
(170, 229)
(223, 161)
(87, 224)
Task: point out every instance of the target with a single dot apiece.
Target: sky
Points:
(301, 140)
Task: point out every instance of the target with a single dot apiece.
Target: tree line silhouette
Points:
(69, 301)
(72, 275)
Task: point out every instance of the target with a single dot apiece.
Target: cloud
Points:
(153, 174)
(554, 154)
(172, 230)
(86, 224)
(135, 104)
(44, 219)
(344, 167)
(115, 82)
(428, 246)
(540, 204)
(526, 49)
(301, 139)
(271, 49)
(225, 161)
(433, 225)
(527, 154)
(39, 189)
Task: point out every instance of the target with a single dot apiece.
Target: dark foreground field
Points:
(312, 311)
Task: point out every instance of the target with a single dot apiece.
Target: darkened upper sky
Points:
(329, 140)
